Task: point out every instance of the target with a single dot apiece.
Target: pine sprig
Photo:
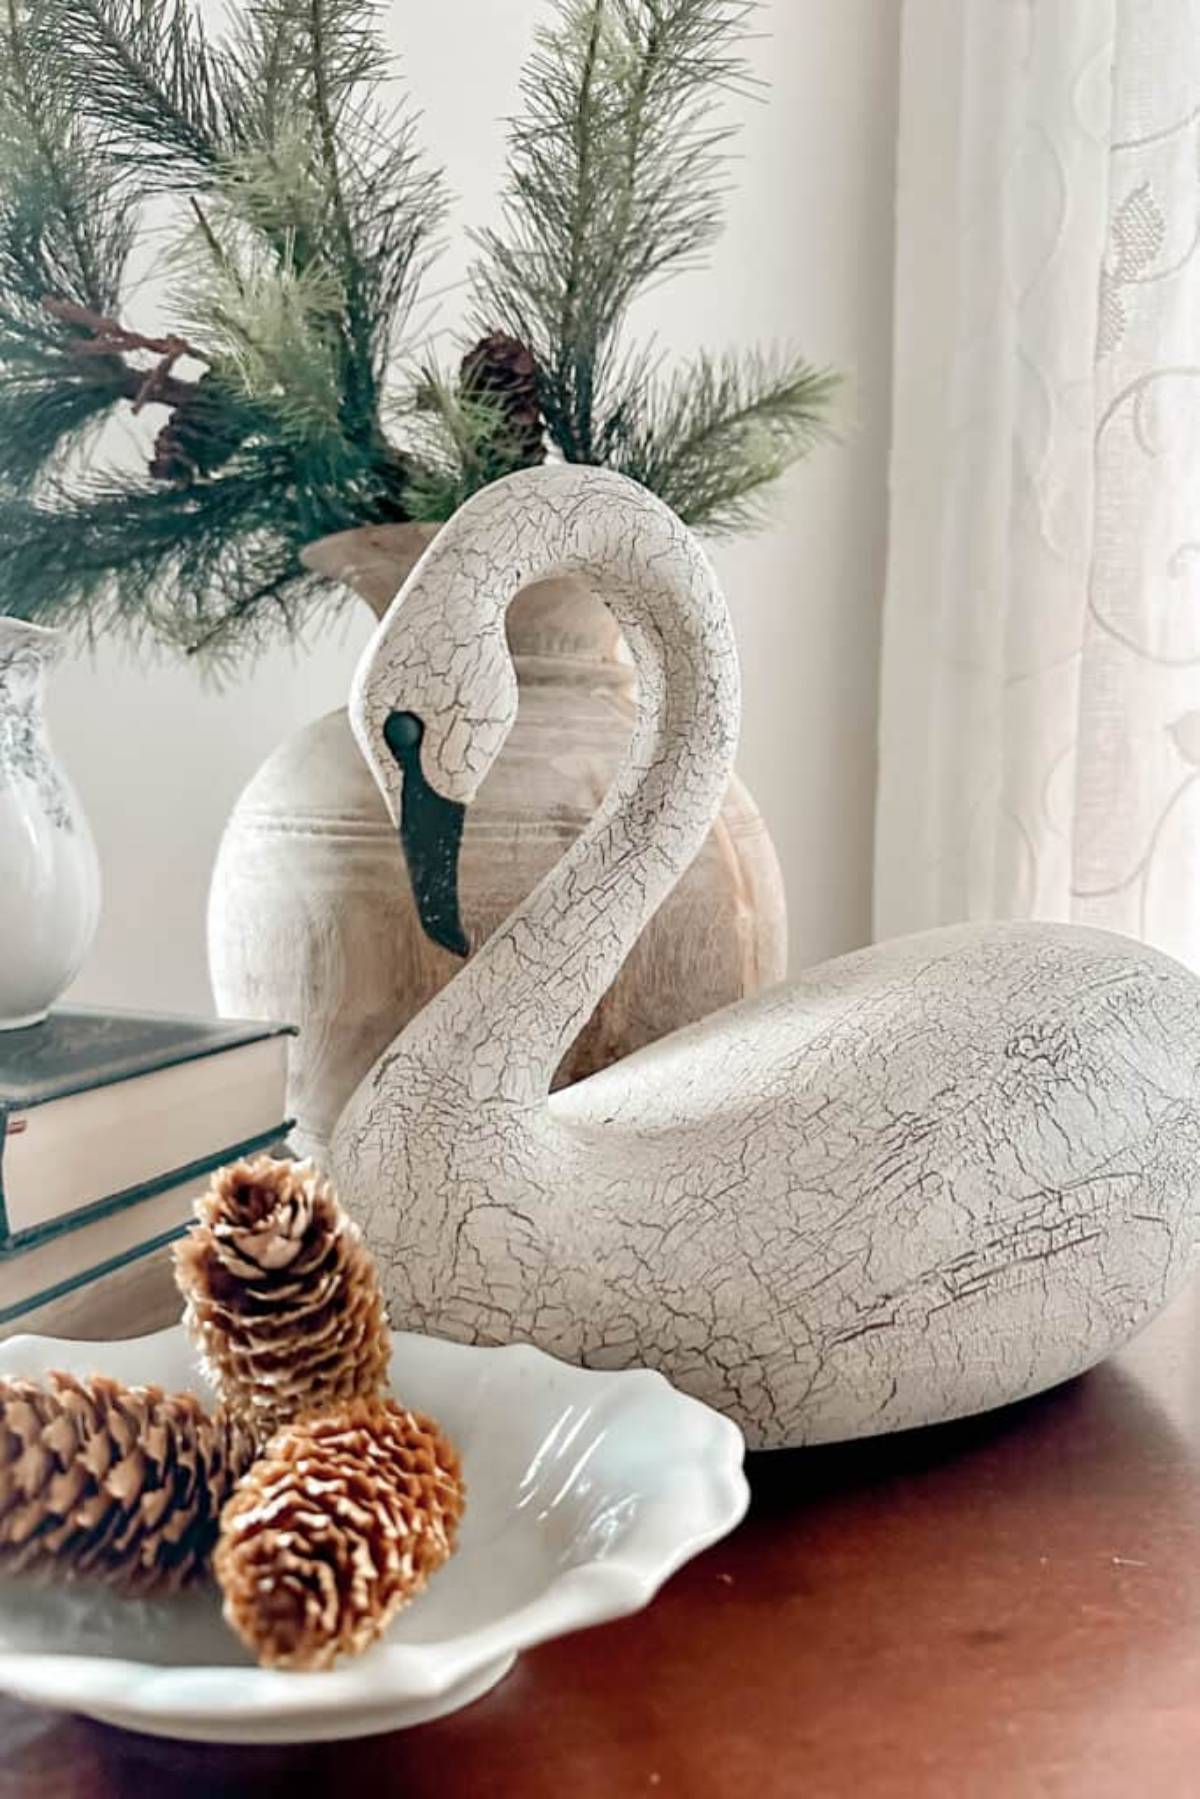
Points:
(461, 442)
(329, 175)
(267, 61)
(328, 136)
(312, 212)
(711, 438)
(66, 228)
(268, 328)
(616, 178)
(146, 75)
(291, 39)
(311, 221)
(210, 566)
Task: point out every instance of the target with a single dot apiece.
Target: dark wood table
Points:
(1008, 1607)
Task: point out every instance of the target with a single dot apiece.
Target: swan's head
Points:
(435, 696)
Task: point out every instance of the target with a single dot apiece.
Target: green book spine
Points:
(21, 1307)
(12, 1244)
(5, 1234)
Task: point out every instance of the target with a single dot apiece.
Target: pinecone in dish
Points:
(119, 1484)
(337, 1526)
(282, 1300)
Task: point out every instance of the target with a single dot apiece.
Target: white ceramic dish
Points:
(585, 1491)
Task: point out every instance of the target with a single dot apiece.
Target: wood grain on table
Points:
(989, 1610)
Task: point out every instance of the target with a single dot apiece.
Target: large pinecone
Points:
(502, 371)
(283, 1300)
(113, 1483)
(337, 1526)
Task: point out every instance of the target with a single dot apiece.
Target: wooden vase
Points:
(311, 919)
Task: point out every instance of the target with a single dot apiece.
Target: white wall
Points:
(807, 257)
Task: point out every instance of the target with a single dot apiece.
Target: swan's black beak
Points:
(430, 835)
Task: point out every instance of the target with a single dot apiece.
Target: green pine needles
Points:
(279, 172)
(617, 173)
(301, 226)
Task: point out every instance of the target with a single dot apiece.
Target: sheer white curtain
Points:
(1040, 733)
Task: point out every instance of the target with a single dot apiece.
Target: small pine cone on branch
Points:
(337, 1526)
(501, 371)
(198, 437)
(117, 1484)
(282, 1299)
(171, 460)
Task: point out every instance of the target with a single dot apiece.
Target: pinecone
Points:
(337, 1526)
(198, 438)
(117, 1484)
(283, 1300)
(171, 460)
(502, 370)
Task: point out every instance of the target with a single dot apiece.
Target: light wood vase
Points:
(311, 919)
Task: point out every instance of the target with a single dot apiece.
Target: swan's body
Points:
(926, 1179)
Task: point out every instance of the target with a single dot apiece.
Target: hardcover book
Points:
(99, 1110)
(49, 1269)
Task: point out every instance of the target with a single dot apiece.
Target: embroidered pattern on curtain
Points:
(1040, 728)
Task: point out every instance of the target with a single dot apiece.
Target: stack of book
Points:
(110, 1123)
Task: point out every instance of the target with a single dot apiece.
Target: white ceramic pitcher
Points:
(49, 872)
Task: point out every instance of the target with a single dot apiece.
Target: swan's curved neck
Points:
(506, 1020)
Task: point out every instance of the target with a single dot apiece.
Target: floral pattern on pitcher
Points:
(49, 870)
(24, 754)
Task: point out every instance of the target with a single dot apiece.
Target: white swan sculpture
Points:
(921, 1181)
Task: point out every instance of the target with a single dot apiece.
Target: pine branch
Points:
(269, 327)
(96, 336)
(713, 436)
(458, 444)
(275, 42)
(214, 564)
(325, 129)
(617, 173)
(328, 23)
(144, 74)
(312, 234)
(616, 178)
(330, 176)
(65, 230)
(315, 228)
(39, 416)
(272, 333)
(575, 363)
(267, 63)
(42, 157)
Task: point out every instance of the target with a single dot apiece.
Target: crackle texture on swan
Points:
(923, 1180)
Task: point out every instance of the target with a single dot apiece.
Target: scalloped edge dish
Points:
(609, 1482)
